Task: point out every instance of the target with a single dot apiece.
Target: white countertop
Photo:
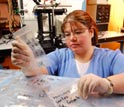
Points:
(5, 44)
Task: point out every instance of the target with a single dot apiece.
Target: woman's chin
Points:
(75, 49)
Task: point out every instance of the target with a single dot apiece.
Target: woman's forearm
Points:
(118, 83)
(29, 72)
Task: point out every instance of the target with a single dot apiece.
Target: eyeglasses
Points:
(76, 32)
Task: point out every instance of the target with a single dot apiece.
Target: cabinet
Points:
(101, 14)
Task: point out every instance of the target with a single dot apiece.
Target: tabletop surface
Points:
(110, 34)
(16, 90)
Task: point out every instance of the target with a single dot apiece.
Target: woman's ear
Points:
(92, 32)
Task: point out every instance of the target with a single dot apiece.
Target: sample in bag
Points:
(27, 36)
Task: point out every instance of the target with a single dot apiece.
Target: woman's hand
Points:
(91, 83)
(23, 57)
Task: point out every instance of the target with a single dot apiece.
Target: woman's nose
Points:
(73, 36)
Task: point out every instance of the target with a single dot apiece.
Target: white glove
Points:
(92, 84)
(23, 57)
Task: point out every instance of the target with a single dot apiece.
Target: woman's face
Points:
(78, 37)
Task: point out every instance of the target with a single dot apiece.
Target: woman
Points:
(100, 70)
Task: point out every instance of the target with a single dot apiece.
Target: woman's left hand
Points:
(91, 83)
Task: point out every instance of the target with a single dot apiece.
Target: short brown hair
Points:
(84, 18)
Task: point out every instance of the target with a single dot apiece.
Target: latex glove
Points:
(23, 57)
(91, 83)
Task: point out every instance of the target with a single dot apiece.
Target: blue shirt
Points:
(104, 63)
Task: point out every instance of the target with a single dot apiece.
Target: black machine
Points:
(48, 39)
(37, 2)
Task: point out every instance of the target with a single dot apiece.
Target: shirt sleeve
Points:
(117, 65)
(53, 58)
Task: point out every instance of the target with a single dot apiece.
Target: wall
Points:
(117, 15)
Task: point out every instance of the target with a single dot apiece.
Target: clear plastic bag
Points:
(27, 36)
